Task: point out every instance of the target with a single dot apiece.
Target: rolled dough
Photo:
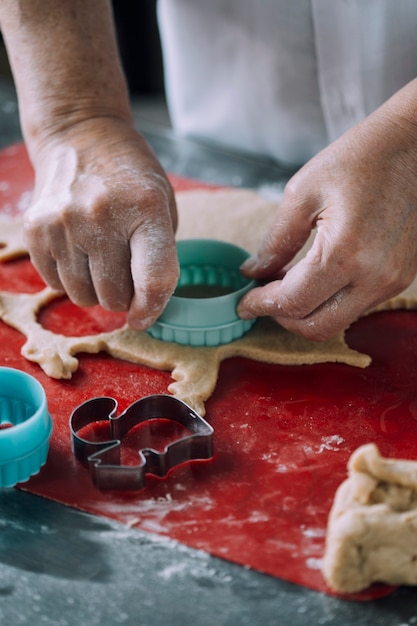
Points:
(239, 216)
(378, 500)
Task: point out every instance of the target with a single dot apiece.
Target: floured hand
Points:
(101, 228)
(360, 195)
(102, 220)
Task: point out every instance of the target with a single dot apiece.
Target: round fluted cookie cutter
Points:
(202, 310)
(26, 426)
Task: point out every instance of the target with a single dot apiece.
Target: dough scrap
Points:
(12, 244)
(240, 216)
(372, 528)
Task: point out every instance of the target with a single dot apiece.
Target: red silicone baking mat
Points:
(283, 435)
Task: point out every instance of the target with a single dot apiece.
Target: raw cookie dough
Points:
(372, 528)
(239, 216)
(194, 370)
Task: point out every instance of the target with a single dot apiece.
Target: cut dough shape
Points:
(194, 370)
(372, 528)
(240, 216)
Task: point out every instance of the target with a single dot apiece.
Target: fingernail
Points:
(249, 264)
(244, 314)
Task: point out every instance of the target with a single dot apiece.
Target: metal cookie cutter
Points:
(26, 426)
(202, 310)
(103, 458)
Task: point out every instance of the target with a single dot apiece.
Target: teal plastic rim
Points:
(26, 426)
(206, 321)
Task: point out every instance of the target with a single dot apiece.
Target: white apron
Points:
(283, 78)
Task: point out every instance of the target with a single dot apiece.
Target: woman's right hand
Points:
(102, 220)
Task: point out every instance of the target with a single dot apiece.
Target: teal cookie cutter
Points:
(26, 426)
(202, 310)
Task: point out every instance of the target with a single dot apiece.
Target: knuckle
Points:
(43, 227)
(33, 226)
(311, 331)
(154, 194)
(294, 189)
(308, 329)
(291, 308)
(388, 278)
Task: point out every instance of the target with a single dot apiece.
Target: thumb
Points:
(290, 229)
(155, 273)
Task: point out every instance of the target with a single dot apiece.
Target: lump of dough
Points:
(372, 528)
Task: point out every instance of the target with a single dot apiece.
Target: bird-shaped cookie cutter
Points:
(103, 457)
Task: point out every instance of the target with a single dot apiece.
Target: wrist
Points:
(72, 124)
(65, 63)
